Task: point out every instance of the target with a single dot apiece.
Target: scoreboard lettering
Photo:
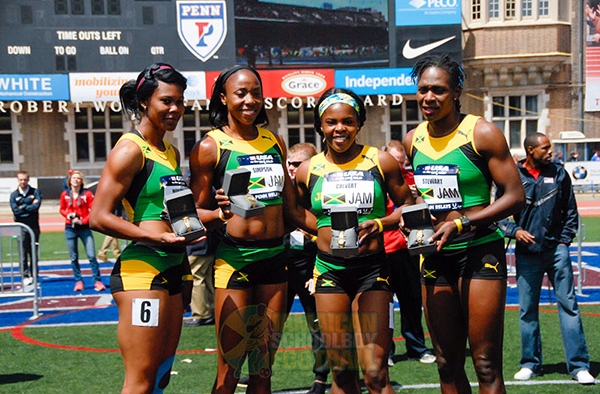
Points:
(130, 38)
(84, 35)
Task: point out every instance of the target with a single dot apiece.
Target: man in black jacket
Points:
(544, 230)
(25, 204)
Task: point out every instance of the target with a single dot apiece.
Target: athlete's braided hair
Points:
(455, 72)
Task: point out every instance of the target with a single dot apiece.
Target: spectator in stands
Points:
(25, 203)
(558, 158)
(574, 155)
(250, 53)
(75, 206)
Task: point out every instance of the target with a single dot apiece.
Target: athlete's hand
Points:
(310, 285)
(170, 238)
(224, 204)
(367, 229)
(445, 233)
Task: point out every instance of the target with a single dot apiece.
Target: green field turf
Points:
(33, 368)
(60, 368)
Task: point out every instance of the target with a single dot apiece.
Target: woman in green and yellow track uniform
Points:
(353, 294)
(148, 278)
(250, 273)
(456, 158)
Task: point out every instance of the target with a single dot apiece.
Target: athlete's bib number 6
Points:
(144, 312)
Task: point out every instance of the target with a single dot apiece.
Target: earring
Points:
(323, 140)
(144, 107)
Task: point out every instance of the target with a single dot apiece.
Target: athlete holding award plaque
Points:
(242, 158)
(346, 186)
(151, 281)
(456, 157)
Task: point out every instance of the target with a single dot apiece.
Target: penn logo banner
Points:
(202, 26)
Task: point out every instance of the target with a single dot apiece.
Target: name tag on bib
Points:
(352, 187)
(266, 179)
(438, 185)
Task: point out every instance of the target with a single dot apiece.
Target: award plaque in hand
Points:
(235, 186)
(418, 219)
(344, 237)
(182, 215)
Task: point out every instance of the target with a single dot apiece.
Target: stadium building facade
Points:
(525, 62)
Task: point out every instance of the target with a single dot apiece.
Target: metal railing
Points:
(12, 283)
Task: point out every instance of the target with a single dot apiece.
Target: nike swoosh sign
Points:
(411, 53)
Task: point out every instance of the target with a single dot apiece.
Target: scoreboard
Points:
(68, 36)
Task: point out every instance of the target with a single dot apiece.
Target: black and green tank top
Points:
(359, 182)
(262, 156)
(449, 172)
(145, 198)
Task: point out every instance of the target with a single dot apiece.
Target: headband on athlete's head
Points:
(150, 74)
(338, 98)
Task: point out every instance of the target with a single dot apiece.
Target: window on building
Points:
(527, 8)
(96, 133)
(7, 154)
(494, 9)
(510, 9)
(543, 8)
(301, 126)
(404, 118)
(516, 116)
(195, 126)
(476, 10)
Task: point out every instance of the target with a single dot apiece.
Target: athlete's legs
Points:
(371, 321)
(335, 319)
(233, 307)
(229, 306)
(146, 343)
(446, 321)
(486, 301)
(274, 297)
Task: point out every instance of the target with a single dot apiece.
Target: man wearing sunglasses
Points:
(301, 252)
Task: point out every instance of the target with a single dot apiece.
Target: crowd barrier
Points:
(12, 282)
